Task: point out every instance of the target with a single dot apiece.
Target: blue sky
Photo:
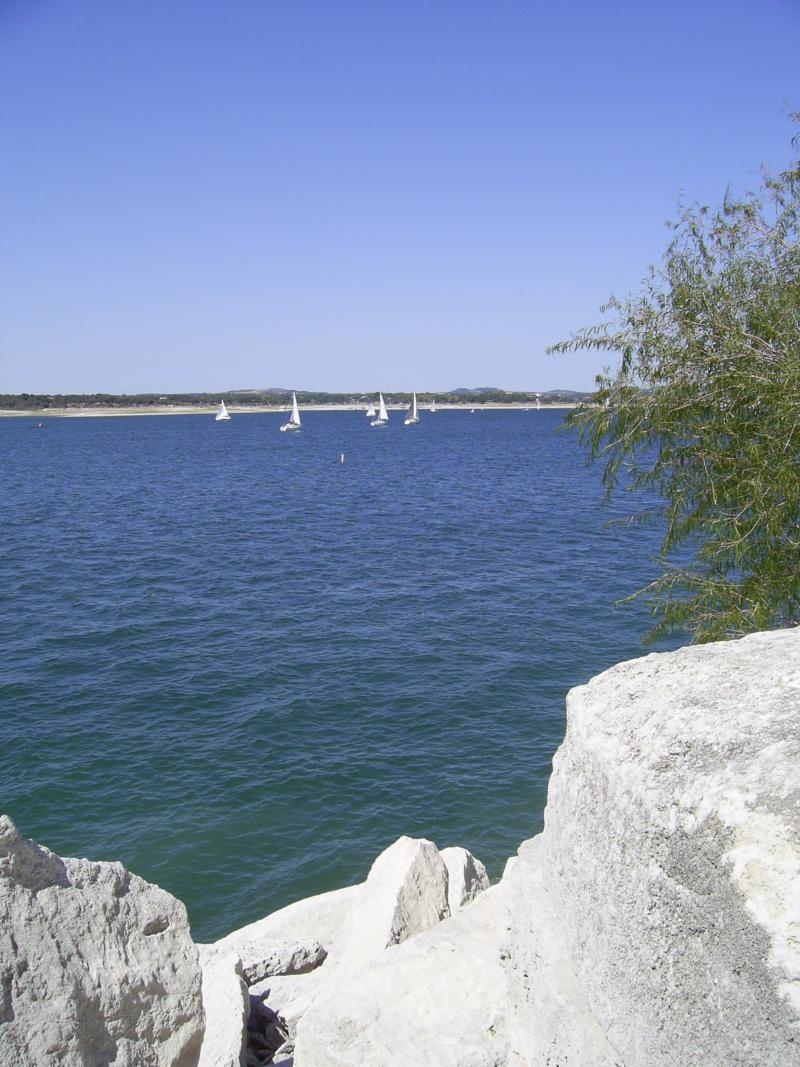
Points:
(357, 195)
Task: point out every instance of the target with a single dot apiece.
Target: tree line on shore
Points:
(276, 398)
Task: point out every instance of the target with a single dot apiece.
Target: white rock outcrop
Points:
(437, 998)
(291, 996)
(316, 920)
(404, 894)
(549, 1019)
(670, 860)
(315, 924)
(226, 1003)
(466, 877)
(654, 923)
(306, 951)
(96, 965)
(280, 958)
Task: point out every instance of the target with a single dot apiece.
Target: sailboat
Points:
(371, 411)
(383, 414)
(222, 413)
(433, 407)
(294, 418)
(412, 418)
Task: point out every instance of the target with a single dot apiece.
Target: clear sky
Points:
(357, 194)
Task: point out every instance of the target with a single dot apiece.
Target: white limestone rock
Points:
(404, 894)
(437, 998)
(510, 864)
(550, 1021)
(315, 925)
(281, 957)
(671, 854)
(226, 1003)
(290, 996)
(96, 965)
(314, 921)
(466, 877)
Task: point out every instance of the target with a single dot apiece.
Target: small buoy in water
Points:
(341, 457)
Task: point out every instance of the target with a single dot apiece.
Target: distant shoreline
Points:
(87, 413)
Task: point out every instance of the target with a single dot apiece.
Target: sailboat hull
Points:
(411, 421)
(222, 418)
(289, 426)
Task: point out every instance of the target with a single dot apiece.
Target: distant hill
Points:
(463, 391)
(573, 395)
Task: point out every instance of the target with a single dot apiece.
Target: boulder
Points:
(466, 877)
(227, 1007)
(280, 957)
(290, 996)
(315, 921)
(655, 922)
(283, 956)
(437, 998)
(671, 859)
(96, 965)
(404, 894)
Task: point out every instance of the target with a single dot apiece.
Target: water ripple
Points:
(243, 668)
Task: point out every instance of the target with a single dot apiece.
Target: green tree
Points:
(704, 408)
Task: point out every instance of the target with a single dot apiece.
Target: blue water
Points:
(244, 668)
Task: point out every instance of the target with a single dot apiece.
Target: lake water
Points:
(243, 668)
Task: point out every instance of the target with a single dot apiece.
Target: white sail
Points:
(434, 409)
(383, 414)
(412, 417)
(294, 418)
(222, 413)
(371, 411)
